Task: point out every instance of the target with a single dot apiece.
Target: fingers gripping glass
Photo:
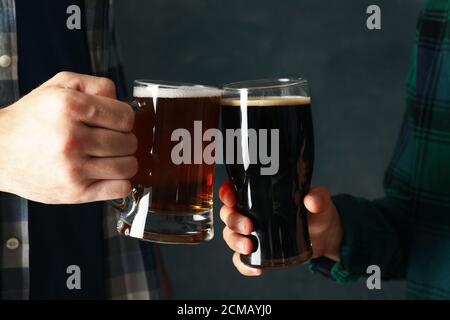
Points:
(171, 202)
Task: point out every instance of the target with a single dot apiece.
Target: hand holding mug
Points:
(68, 141)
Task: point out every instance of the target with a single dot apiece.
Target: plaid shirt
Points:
(407, 233)
(134, 269)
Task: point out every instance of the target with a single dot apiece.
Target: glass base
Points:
(169, 227)
(276, 263)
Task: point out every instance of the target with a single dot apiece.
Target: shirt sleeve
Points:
(376, 232)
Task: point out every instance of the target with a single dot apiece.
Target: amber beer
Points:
(178, 196)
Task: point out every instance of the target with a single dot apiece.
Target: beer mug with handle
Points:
(172, 195)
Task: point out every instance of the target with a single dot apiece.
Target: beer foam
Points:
(268, 101)
(178, 92)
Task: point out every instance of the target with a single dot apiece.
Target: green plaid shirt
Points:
(134, 269)
(407, 233)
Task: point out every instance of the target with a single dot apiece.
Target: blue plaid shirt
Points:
(134, 269)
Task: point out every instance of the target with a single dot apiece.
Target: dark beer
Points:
(274, 203)
(177, 192)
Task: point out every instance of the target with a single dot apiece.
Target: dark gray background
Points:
(357, 78)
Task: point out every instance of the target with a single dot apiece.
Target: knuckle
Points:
(133, 143)
(131, 167)
(72, 177)
(91, 112)
(73, 172)
(231, 220)
(63, 75)
(317, 230)
(248, 224)
(225, 234)
(106, 86)
(224, 214)
(248, 246)
(128, 119)
(134, 166)
(124, 189)
(69, 143)
(66, 102)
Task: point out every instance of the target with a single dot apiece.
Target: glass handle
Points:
(135, 105)
(129, 203)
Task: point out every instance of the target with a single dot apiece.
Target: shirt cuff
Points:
(348, 270)
(332, 270)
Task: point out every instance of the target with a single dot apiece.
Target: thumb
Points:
(318, 203)
(320, 221)
(318, 200)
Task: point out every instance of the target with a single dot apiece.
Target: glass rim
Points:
(266, 83)
(170, 84)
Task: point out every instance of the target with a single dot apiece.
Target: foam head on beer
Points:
(269, 101)
(152, 91)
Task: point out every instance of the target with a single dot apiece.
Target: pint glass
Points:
(269, 154)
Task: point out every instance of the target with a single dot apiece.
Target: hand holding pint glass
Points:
(171, 201)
